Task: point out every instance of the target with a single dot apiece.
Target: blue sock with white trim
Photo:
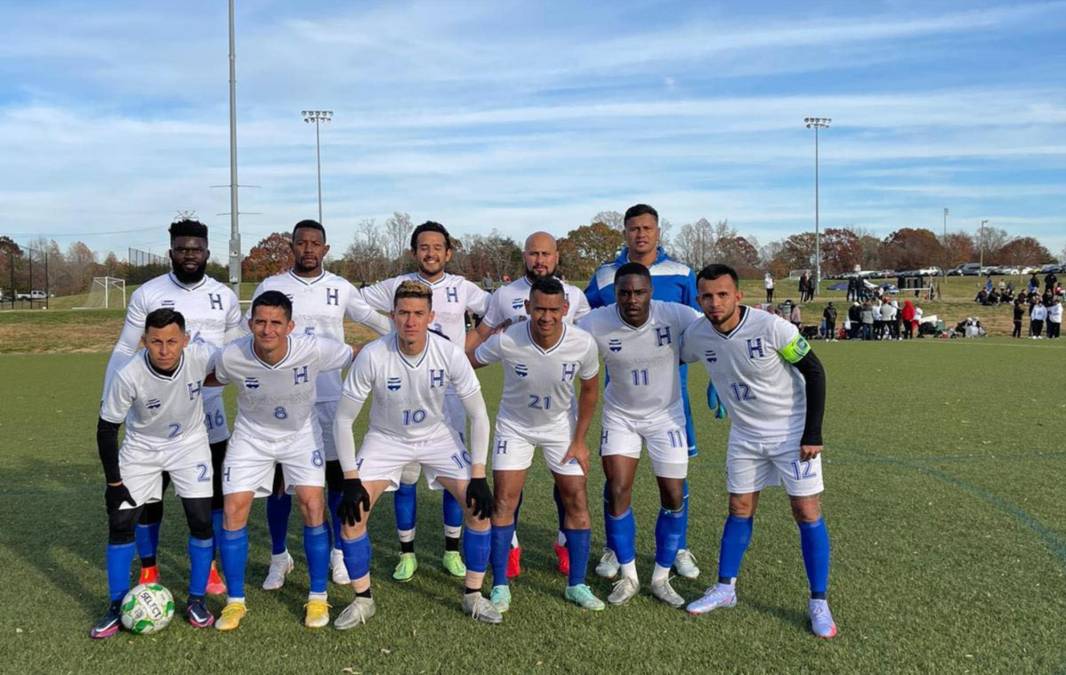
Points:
(621, 536)
(356, 556)
(476, 548)
(668, 531)
(736, 535)
(814, 540)
(234, 550)
(405, 501)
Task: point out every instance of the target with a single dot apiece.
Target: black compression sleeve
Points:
(107, 445)
(814, 376)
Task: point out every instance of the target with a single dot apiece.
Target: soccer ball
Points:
(147, 608)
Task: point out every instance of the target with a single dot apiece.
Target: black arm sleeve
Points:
(814, 376)
(107, 445)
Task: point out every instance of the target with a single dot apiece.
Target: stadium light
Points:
(318, 116)
(235, 231)
(981, 240)
(817, 123)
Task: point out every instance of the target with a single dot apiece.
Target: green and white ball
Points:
(147, 609)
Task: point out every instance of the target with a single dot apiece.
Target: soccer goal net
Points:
(106, 293)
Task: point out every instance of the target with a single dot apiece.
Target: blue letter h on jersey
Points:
(194, 390)
(331, 296)
(755, 345)
(299, 375)
(436, 377)
(569, 370)
(662, 336)
(216, 300)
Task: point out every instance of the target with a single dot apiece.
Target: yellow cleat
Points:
(317, 614)
(231, 617)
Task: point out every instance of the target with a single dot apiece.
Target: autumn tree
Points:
(584, 248)
(991, 240)
(796, 252)
(1023, 251)
(611, 219)
(910, 248)
(271, 255)
(397, 237)
(365, 259)
(841, 251)
(959, 248)
(740, 253)
(492, 256)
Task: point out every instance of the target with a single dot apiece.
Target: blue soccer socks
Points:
(316, 548)
(278, 509)
(736, 535)
(201, 551)
(501, 549)
(147, 538)
(356, 556)
(621, 535)
(577, 545)
(669, 530)
(814, 540)
(119, 560)
(234, 549)
(405, 501)
(476, 548)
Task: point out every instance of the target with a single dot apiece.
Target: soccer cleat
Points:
(822, 623)
(198, 615)
(316, 614)
(608, 565)
(215, 585)
(355, 614)
(623, 591)
(582, 596)
(685, 564)
(563, 554)
(480, 609)
(231, 617)
(405, 569)
(501, 598)
(149, 575)
(109, 623)
(340, 572)
(280, 566)
(514, 562)
(665, 592)
(719, 595)
(453, 563)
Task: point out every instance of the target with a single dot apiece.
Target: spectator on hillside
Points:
(830, 316)
(855, 320)
(907, 315)
(1019, 314)
(888, 320)
(1036, 320)
(1050, 280)
(796, 318)
(768, 284)
(1034, 284)
(803, 282)
(867, 319)
(1054, 318)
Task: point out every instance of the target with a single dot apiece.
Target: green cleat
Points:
(405, 569)
(581, 595)
(501, 598)
(453, 563)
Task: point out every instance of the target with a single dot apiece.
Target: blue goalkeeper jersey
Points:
(672, 281)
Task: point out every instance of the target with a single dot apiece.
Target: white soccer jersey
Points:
(765, 396)
(277, 400)
(319, 306)
(642, 363)
(409, 391)
(509, 303)
(160, 410)
(453, 296)
(538, 384)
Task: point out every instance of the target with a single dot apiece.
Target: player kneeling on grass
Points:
(409, 373)
(541, 359)
(158, 394)
(275, 374)
(776, 398)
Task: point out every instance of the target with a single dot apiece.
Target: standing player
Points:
(321, 300)
(776, 398)
(508, 305)
(212, 316)
(157, 394)
(453, 297)
(409, 372)
(275, 375)
(674, 282)
(541, 359)
(640, 342)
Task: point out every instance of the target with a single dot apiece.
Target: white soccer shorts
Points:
(325, 412)
(663, 434)
(215, 415)
(188, 462)
(752, 466)
(250, 462)
(512, 450)
(383, 458)
(454, 417)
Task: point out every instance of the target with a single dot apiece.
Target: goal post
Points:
(106, 293)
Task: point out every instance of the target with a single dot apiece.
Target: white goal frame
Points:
(107, 284)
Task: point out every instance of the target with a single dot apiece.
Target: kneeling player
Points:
(158, 395)
(777, 398)
(275, 374)
(640, 341)
(409, 372)
(541, 358)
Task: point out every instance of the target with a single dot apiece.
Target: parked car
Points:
(1007, 270)
(31, 295)
(965, 270)
(1050, 268)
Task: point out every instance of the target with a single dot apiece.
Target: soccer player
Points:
(409, 372)
(776, 397)
(541, 359)
(508, 305)
(275, 374)
(321, 300)
(213, 317)
(674, 282)
(453, 297)
(157, 394)
(640, 342)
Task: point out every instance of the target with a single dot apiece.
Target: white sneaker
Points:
(355, 614)
(719, 595)
(665, 592)
(280, 566)
(608, 565)
(624, 590)
(685, 564)
(822, 623)
(479, 608)
(340, 572)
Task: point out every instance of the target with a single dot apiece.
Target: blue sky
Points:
(527, 115)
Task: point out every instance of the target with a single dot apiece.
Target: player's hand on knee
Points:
(579, 451)
(354, 502)
(479, 498)
(809, 452)
(114, 495)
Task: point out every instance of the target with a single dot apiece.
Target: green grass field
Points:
(944, 465)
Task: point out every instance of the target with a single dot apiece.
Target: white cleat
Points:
(608, 566)
(280, 566)
(355, 614)
(685, 564)
(340, 572)
(665, 592)
(719, 595)
(822, 623)
(479, 608)
(624, 591)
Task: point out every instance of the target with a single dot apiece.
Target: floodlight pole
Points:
(944, 245)
(235, 232)
(317, 116)
(817, 123)
(981, 238)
